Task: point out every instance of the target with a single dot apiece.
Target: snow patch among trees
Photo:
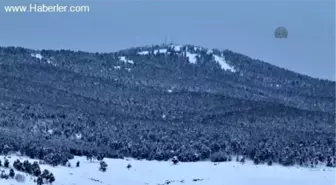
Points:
(160, 51)
(192, 57)
(143, 52)
(125, 60)
(176, 47)
(40, 57)
(224, 65)
(37, 55)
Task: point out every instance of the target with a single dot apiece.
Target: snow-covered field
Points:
(199, 173)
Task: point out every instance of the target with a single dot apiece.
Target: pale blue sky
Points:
(242, 26)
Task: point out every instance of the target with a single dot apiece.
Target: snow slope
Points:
(224, 65)
(199, 173)
(124, 59)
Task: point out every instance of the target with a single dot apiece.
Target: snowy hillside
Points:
(160, 173)
(163, 101)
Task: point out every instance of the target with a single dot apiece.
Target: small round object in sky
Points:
(281, 33)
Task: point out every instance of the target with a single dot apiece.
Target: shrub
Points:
(175, 160)
(20, 178)
(129, 166)
(103, 166)
(219, 157)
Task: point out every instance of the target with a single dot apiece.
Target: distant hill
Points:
(156, 102)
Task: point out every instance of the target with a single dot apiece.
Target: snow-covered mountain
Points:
(164, 101)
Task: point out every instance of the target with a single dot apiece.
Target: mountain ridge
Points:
(271, 80)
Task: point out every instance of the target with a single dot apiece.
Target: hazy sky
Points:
(242, 26)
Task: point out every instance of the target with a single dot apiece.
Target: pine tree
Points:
(242, 160)
(256, 160)
(100, 157)
(11, 173)
(6, 163)
(36, 169)
(27, 167)
(3, 175)
(175, 160)
(45, 174)
(89, 156)
(39, 180)
(329, 162)
(18, 165)
(51, 178)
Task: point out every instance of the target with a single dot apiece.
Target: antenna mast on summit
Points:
(165, 41)
(171, 41)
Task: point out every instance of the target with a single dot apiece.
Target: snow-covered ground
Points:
(199, 173)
